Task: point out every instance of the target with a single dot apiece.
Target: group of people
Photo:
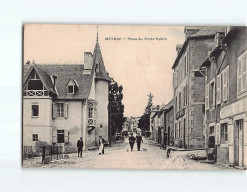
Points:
(138, 140)
(80, 146)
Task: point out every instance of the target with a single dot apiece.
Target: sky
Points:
(140, 61)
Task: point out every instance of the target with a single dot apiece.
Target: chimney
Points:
(178, 48)
(228, 28)
(218, 38)
(88, 60)
(190, 30)
(54, 82)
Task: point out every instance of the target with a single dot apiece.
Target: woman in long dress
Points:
(101, 145)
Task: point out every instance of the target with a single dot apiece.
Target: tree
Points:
(144, 122)
(150, 103)
(116, 108)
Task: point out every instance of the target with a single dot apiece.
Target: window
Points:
(207, 97)
(179, 101)
(179, 129)
(219, 89)
(91, 114)
(35, 110)
(35, 137)
(225, 78)
(60, 109)
(35, 83)
(212, 94)
(224, 133)
(90, 110)
(176, 130)
(60, 136)
(176, 103)
(242, 74)
(185, 96)
(186, 65)
(97, 68)
(70, 89)
(211, 130)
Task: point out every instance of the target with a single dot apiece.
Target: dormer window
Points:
(97, 68)
(72, 87)
(34, 86)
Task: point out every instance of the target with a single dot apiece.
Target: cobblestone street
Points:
(119, 156)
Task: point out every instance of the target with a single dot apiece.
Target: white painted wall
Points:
(102, 90)
(41, 125)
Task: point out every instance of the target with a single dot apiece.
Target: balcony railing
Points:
(35, 93)
(91, 122)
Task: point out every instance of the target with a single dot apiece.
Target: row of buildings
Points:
(62, 103)
(209, 108)
(131, 124)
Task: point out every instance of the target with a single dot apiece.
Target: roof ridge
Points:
(60, 64)
(42, 69)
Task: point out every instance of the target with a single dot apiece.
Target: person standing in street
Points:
(101, 145)
(138, 141)
(131, 141)
(80, 146)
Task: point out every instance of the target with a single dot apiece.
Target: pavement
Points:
(119, 156)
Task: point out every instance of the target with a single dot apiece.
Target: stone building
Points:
(226, 98)
(168, 137)
(62, 103)
(155, 123)
(189, 92)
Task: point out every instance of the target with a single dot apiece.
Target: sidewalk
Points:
(174, 148)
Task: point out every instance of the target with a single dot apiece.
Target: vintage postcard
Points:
(134, 97)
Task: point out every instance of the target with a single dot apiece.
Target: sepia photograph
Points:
(150, 97)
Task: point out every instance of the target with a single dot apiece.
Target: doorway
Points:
(168, 136)
(184, 134)
(239, 144)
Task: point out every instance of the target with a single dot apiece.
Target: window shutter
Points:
(214, 94)
(54, 136)
(54, 110)
(66, 106)
(217, 135)
(219, 89)
(66, 136)
(239, 77)
(227, 82)
(207, 97)
(244, 70)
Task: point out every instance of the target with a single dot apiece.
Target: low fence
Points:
(53, 151)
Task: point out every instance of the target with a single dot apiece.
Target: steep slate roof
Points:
(97, 58)
(206, 31)
(209, 31)
(168, 106)
(64, 73)
(45, 78)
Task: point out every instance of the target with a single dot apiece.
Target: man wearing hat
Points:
(131, 141)
(80, 146)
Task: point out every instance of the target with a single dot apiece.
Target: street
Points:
(119, 156)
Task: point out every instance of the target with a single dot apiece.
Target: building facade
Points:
(155, 123)
(168, 124)
(226, 98)
(189, 92)
(62, 103)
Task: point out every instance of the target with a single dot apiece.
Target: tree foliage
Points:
(116, 107)
(144, 122)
